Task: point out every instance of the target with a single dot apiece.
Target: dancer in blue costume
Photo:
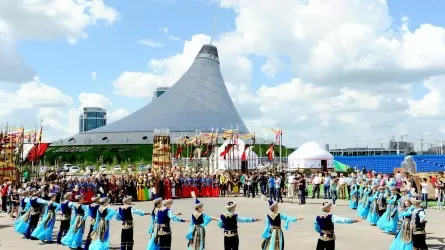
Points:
(354, 195)
(364, 203)
(157, 201)
(92, 213)
(44, 230)
(196, 233)
(418, 222)
(73, 239)
(102, 226)
(403, 194)
(125, 214)
(373, 215)
(404, 239)
(363, 188)
(229, 222)
(35, 211)
(163, 230)
(389, 220)
(22, 222)
(272, 234)
(66, 207)
(324, 225)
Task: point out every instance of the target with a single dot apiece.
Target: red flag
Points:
(270, 152)
(226, 150)
(243, 156)
(37, 151)
(178, 152)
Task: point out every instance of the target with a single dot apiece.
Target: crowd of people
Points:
(383, 200)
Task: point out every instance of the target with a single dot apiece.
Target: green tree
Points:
(115, 161)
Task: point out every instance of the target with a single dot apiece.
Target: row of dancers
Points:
(393, 211)
(75, 214)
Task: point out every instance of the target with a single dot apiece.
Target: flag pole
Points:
(281, 143)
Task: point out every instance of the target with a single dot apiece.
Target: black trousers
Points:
(419, 242)
(165, 242)
(64, 227)
(33, 221)
(4, 207)
(127, 241)
(325, 245)
(316, 191)
(381, 212)
(231, 243)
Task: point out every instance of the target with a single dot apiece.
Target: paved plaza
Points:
(301, 235)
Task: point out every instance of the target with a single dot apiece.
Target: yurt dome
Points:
(310, 155)
(235, 157)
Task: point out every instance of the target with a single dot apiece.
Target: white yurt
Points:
(310, 155)
(233, 157)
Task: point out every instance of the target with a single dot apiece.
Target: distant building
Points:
(92, 118)
(404, 146)
(363, 151)
(159, 92)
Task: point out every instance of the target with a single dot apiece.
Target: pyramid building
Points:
(198, 101)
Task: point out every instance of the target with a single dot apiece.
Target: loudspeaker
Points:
(244, 167)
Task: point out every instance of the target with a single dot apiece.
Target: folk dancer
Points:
(324, 225)
(66, 206)
(382, 201)
(152, 230)
(22, 222)
(272, 234)
(196, 233)
(73, 239)
(363, 209)
(418, 223)
(163, 231)
(389, 220)
(373, 215)
(404, 239)
(92, 213)
(35, 212)
(101, 234)
(125, 214)
(44, 230)
(229, 222)
(354, 195)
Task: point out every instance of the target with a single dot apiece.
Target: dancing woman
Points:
(229, 222)
(272, 234)
(66, 206)
(365, 204)
(24, 202)
(34, 214)
(373, 215)
(163, 231)
(196, 233)
(21, 223)
(354, 195)
(157, 201)
(389, 220)
(102, 226)
(125, 214)
(404, 238)
(44, 230)
(92, 213)
(73, 238)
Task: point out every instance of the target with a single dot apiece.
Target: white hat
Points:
(168, 201)
(415, 200)
(95, 198)
(52, 195)
(104, 200)
(326, 206)
(230, 205)
(68, 195)
(127, 199)
(79, 196)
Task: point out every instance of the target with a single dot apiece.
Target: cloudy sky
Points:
(343, 72)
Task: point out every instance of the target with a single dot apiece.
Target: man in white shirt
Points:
(316, 186)
(290, 186)
(342, 187)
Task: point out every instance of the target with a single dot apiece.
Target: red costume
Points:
(167, 189)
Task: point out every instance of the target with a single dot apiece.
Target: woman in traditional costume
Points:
(146, 188)
(354, 195)
(365, 204)
(163, 230)
(125, 214)
(73, 239)
(361, 191)
(44, 230)
(373, 215)
(20, 224)
(229, 222)
(418, 224)
(196, 233)
(66, 207)
(272, 234)
(152, 243)
(92, 213)
(389, 220)
(102, 226)
(173, 185)
(404, 239)
(34, 214)
(141, 191)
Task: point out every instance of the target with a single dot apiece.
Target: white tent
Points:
(233, 157)
(310, 155)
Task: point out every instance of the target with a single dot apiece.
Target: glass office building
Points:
(92, 118)
(159, 92)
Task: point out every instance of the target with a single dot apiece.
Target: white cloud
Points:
(167, 32)
(350, 69)
(94, 76)
(150, 43)
(44, 20)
